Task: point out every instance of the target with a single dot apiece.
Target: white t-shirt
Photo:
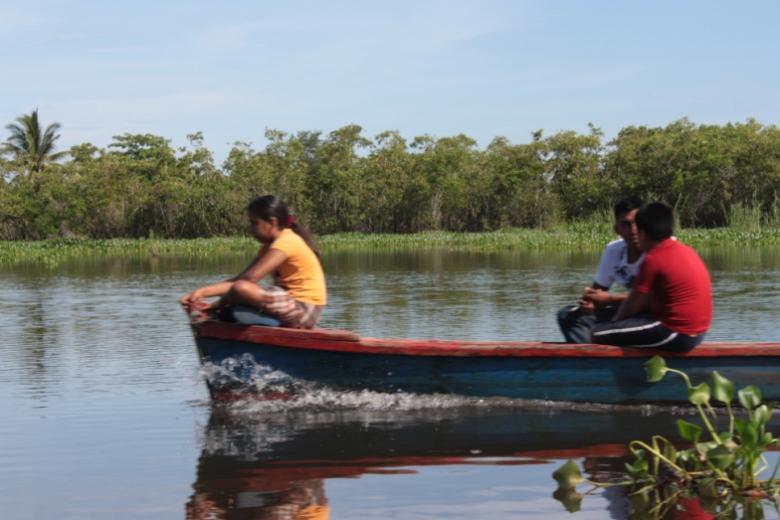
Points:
(614, 266)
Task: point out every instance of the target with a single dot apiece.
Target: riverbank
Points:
(573, 236)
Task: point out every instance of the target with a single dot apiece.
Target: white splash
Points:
(254, 383)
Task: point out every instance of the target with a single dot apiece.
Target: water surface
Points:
(106, 415)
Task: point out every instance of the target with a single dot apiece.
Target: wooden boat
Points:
(342, 360)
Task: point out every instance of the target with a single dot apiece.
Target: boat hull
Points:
(544, 372)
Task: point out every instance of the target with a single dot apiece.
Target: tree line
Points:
(140, 185)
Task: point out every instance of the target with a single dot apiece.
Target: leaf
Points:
(721, 457)
(568, 475)
(704, 447)
(722, 388)
(571, 500)
(707, 487)
(740, 425)
(748, 433)
(638, 470)
(655, 368)
(670, 452)
(761, 415)
(686, 456)
(640, 454)
(727, 439)
(640, 500)
(699, 394)
(689, 431)
(750, 397)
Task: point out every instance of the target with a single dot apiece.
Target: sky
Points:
(233, 69)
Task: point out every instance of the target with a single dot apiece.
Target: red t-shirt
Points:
(679, 284)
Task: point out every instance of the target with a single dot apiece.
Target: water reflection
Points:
(258, 465)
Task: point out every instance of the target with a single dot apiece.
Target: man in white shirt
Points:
(619, 264)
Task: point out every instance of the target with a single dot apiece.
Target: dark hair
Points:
(627, 204)
(656, 220)
(268, 206)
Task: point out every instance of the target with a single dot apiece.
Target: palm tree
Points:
(28, 145)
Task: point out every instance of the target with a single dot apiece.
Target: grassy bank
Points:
(574, 236)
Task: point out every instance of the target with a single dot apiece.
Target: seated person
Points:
(288, 252)
(670, 304)
(620, 263)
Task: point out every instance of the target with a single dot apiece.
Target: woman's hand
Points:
(216, 304)
(189, 299)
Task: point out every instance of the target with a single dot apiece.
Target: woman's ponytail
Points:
(306, 235)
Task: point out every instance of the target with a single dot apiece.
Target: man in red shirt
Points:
(670, 304)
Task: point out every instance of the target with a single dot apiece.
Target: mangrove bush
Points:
(344, 181)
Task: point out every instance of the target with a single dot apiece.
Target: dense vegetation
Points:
(140, 186)
(586, 236)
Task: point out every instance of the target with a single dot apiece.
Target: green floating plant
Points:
(717, 465)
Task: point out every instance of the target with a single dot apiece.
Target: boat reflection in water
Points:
(273, 464)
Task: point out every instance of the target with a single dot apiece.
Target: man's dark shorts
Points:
(643, 331)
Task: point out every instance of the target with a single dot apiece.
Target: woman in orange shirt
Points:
(287, 250)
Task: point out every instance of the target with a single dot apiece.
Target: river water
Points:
(105, 413)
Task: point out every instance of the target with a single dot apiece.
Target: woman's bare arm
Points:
(265, 263)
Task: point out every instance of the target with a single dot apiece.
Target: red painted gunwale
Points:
(345, 341)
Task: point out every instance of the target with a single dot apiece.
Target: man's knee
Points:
(566, 314)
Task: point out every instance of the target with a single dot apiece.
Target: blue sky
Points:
(233, 69)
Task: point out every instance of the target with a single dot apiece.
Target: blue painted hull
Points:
(577, 379)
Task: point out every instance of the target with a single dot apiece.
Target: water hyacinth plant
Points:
(585, 236)
(722, 466)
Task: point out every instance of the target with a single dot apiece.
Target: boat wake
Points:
(255, 388)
